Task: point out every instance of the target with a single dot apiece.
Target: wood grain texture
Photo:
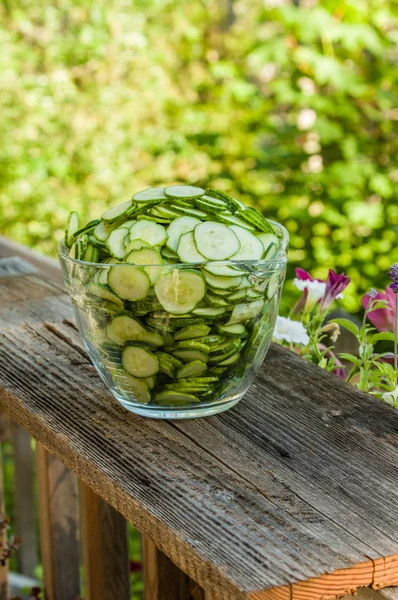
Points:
(105, 549)
(163, 580)
(24, 500)
(4, 587)
(290, 494)
(58, 516)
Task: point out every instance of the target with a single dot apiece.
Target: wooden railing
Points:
(291, 495)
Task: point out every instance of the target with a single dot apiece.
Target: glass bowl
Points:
(171, 366)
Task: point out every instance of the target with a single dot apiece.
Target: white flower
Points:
(391, 397)
(316, 290)
(306, 118)
(290, 331)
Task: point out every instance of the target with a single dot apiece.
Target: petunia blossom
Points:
(314, 289)
(290, 331)
(335, 285)
(382, 318)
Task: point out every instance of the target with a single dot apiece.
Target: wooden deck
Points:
(290, 495)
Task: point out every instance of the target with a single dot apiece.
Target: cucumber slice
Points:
(224, 270)
(116, 212)
(238, 296)
(191, 212)
(148, 231)
(168, 398)
(136, 245)
(232, 203)
(187, 251)
(180, 291)
(103, 230)
(209, 312)
(187, 356)
(167, 253)
(230, 283)
(226, 348)
(251, 248)
(158, 220)
(103, 292)
(150, 381)
(177, 228)
(217, 370)
(146, 256)
(82, 242)
(267, 239)
(273, 285)
(91, 254)
(215, 240)
(192, 369)
(218, 291)
(72, 225)
(232, 220)
(198, 380)
(191, 332)
(192, 345)
(115, 242)
(215, 301)
(123, 328)
(129, 385)
(244, 312)
(186, 192)
(149, 195)
(88, 228)
(165, 212)
(139, 362)
(210, 203)
(231, 360)
(129, 283)
(237, 330)
(251, 216)
(211, 340)
(151, 338)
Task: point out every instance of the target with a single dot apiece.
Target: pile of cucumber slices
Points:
(175, 279)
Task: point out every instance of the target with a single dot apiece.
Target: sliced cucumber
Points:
(192, 369)
(223, 270)
(215, 240)
(151, 338)
(184, 191)
(273, 285)
(231, 360)
(169, 398)
(123, 328)
(116, 212)
(215, 301)
(230, 283)
(165, 212)
(251, 216)
(136, 245)
(115, 242)
(245, 312)
(177, 228)
(169, 254)
(149, 195)
(146, 256)
(267, 239)
(103, 230)
(103, 292)
(91, 254)
(192, 345)
(180, 291)
(232, 203)
(232, 220)
(236, 330)
(72, 225)
(238, 296)
(187, 251)
(191, 212)
(187, 356)
(191, 332)
(148, 231)
(129, 385)
(209, 312)
(129, 283)
(251, 248)
(139, 362)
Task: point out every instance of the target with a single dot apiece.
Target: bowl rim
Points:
(280, 258)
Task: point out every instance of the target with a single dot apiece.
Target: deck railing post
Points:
(24, 496)
(163, 580)
(105, 548)
(58, 516)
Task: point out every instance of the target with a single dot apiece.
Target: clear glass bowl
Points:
(264, 280)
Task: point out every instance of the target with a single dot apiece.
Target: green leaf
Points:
(350, 358)
(384, 336)
(348, 325)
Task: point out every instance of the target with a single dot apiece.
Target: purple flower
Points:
(335, 285)
(393, 275)
(382, 318)
(304, 275)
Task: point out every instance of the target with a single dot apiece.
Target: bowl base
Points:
(156, 412)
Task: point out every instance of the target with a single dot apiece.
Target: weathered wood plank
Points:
(15, 266)
(105, 549)
(48, 266)
(163, 580)
(4, 587)
(58, 515)
(238, 501)
(24, 499)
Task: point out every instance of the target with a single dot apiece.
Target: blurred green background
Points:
(292, 106)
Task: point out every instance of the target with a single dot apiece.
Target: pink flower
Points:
(304, 275)
(313, 290)
(382, 318)
(335, 285)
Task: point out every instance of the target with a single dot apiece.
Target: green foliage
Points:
(293, 108)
